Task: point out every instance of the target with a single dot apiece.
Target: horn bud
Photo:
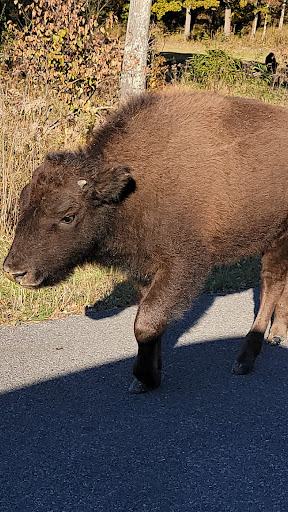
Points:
(82, 183)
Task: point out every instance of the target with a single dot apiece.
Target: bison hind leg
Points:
(250, 349)
(275, 340)
(274, 297)
(278, 331)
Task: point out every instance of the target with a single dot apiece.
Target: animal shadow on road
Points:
(199, 306)
(205, 441)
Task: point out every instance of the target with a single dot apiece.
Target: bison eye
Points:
(67, 219)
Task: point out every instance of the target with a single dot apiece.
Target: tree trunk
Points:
(187, 30)
(133, 78)
(254, 25)
(227, 24)
(282, 14)
(264, 27)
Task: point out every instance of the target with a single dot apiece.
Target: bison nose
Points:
(8, 269)
(12, 273)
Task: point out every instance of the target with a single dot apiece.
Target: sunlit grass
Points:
(88, 286)
(240, 47)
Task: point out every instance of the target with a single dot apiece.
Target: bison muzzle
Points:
(172, 184)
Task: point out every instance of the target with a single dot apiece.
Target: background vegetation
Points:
(59, 75)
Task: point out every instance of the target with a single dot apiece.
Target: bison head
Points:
(67, 212)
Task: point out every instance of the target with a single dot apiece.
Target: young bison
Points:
(171, 185)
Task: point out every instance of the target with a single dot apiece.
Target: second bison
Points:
(172, 184)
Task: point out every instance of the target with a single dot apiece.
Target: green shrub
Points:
(214, 69)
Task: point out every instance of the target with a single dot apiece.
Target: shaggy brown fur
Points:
(172, 184)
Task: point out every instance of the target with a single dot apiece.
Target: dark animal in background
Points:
(271, 62)
(171, 185)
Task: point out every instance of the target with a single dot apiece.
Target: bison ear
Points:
(24, 197)
(113, 184)
(57, 158)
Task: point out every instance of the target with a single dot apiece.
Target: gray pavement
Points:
(73, 440)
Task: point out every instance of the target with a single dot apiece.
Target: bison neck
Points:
(123, 245)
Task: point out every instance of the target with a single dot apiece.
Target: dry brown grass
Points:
(33, 121)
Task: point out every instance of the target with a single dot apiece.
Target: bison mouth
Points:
(25, 279)
(39, 278)
(30, 280)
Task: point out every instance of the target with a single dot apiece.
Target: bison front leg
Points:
(147, 367)
(150, 323)
(169, 295)
(273, 277)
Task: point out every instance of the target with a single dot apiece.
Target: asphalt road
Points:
(74, 440)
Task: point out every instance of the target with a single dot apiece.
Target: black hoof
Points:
(241, 368)
(276, 340)
(138, 387)
(150, 379)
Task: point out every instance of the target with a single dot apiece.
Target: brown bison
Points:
(171, 185)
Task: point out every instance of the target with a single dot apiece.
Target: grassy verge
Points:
(239, 276)
(88, 286)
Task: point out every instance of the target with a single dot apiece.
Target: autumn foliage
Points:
(63, 46)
